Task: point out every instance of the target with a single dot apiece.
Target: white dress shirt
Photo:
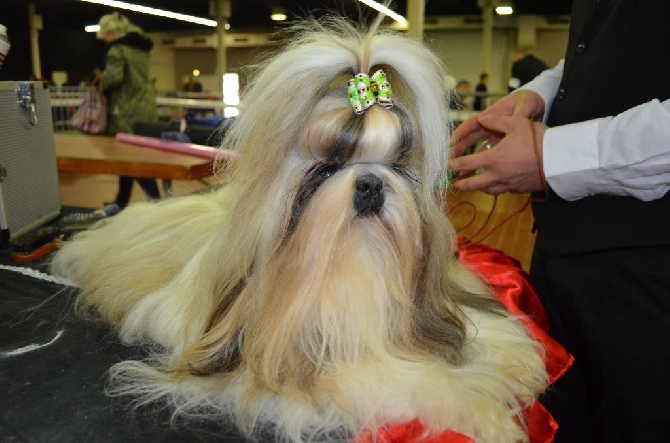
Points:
(626, 154)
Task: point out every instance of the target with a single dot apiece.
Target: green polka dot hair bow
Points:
(365, 91)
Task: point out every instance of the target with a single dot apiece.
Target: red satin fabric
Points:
(412, 432)
(511, 286)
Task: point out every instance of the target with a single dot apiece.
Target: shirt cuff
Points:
(571, 161)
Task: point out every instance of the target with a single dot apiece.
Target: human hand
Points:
(511, 164)
(526, 104)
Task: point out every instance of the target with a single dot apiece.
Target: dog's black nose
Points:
(369, 197)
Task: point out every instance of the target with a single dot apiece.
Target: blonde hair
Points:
(116, 23)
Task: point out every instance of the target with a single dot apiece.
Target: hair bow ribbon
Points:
(364, 91)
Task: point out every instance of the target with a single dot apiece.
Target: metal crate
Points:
(28, 173)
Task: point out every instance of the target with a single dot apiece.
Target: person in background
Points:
(595, 153)
(85, 81)
(131, 96)
(462, 96)
(46, 77)
(192, 85)
(481, 90)
(193, 88)
(525, 67)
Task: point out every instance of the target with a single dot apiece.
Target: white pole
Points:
(222, 12)
(415, 17)
(35, 26)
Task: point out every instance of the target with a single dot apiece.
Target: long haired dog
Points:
(317, 293)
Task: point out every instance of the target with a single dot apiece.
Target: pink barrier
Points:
(182, 148)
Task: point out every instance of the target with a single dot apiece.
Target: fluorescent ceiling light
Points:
(384, 10)
(154, 11)
(278, 14)
(92, 28)
(504, 10)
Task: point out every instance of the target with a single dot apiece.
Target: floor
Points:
(92, 190)
(503, 223)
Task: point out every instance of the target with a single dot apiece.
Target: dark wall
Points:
(61, 49)
(17, 65)
(76, 52)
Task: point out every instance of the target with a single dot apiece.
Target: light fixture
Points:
(92, 28)
(504, 10)
(231, 95)
(154, 11)
(278, 14)
(196, 72)
(384, 10)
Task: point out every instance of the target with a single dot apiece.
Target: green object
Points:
(477, 145)
(382, 89)
(126, 79)
(363, 92)
(354, 97)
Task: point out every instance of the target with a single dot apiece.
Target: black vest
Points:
(618, 56)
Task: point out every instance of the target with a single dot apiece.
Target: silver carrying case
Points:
(28, 173)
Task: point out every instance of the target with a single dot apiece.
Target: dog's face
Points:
(366, 172)
(347, 247)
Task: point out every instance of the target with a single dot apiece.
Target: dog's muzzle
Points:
(369, 197)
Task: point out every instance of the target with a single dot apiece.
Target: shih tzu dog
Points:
(316, 293)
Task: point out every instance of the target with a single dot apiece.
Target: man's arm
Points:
(628, 154)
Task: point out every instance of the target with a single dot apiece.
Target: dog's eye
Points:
(405, 172)
(328, 170)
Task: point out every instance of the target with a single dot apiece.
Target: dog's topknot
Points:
(317, 62)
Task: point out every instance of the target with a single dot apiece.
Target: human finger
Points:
(465, 136)
(467, 164)
(491, 140)
(484, 147)
(529, 104)
(500, 123)
(478, 182)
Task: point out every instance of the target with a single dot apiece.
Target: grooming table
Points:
(53, 371)
(97, 154)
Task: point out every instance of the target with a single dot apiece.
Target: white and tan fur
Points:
(278, 304)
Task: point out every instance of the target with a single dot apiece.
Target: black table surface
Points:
(53, 371)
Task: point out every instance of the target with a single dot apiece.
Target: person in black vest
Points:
(525, 67)
(594, 149)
